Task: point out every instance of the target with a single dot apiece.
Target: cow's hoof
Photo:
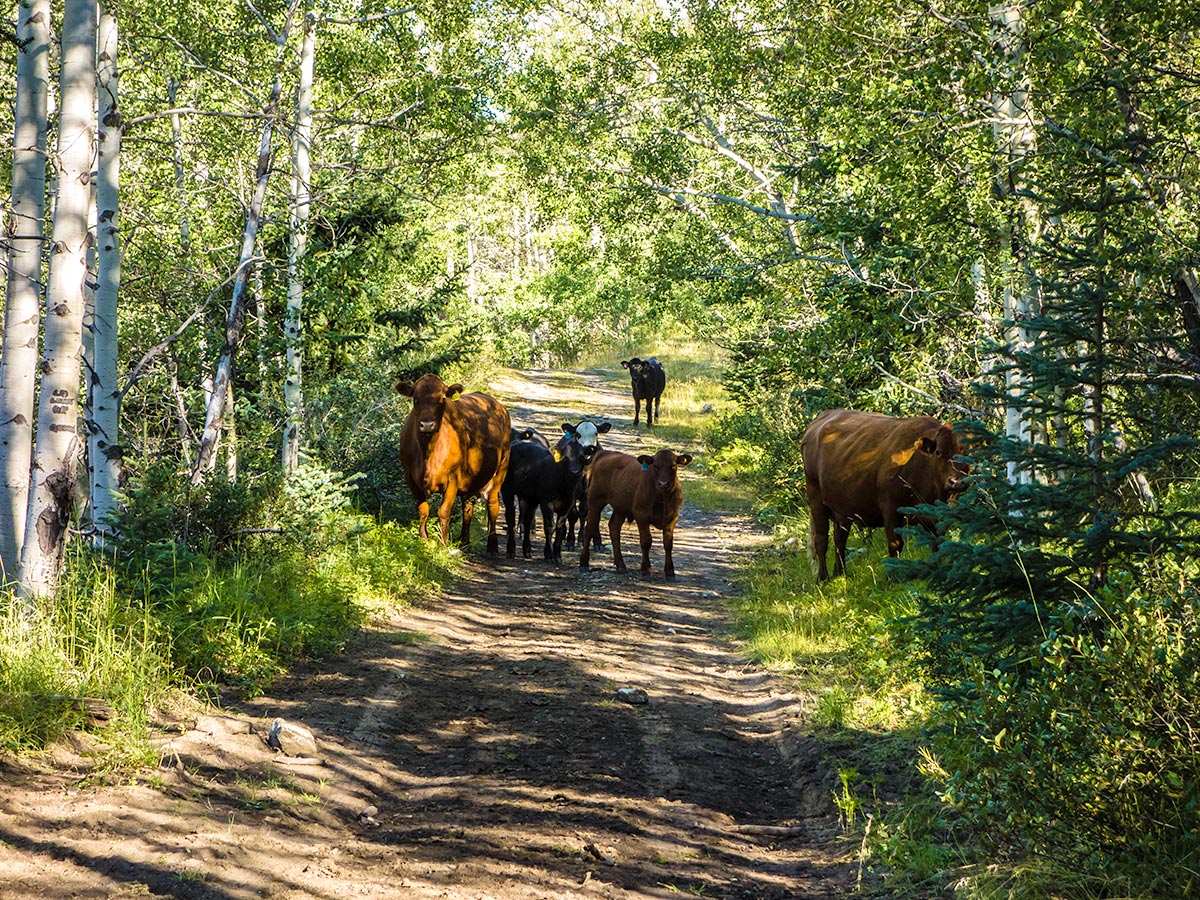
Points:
(670, 576)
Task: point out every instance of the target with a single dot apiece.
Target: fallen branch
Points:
(774, 830)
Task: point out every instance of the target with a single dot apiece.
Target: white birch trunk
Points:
(293, 394)
(1017, 142)
(104, 449)
(185, 227)
(25, 232)
(206, 454)
(56, 458)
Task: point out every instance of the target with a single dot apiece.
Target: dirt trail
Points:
(477, 747)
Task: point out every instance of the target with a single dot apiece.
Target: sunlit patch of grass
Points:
(836, 637)
(715, 495)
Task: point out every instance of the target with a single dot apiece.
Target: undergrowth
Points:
(218, 611)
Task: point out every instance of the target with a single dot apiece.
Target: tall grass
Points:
(93, 642)
(134, 639)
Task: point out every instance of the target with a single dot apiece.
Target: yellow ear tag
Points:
(456, 395)
(557, 454)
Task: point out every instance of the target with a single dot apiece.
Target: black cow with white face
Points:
(588, 435)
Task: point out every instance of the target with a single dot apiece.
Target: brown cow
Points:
(454, 443)
(864, 467)
(645, 489)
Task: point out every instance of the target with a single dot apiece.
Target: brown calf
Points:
(454, 443)
(645, 489)
(864, 467)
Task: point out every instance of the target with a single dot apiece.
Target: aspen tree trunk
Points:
(185, 227)
(293, 394)
(235, 319)
(25, 231)
(1017, 142)
(104, 449)
(56, 457)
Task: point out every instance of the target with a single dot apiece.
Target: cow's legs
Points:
(614, 535)
(510, 515)
(637, 409)
(645, 539)
(560, 533)
(491, 495)
(574, 516)
(894, 541)
(548, 531)
(423, 518)
(527, 511)
(818, 538)
(585, 540)
(841, 534)
(468, 515)
(597, 544)
(668, 544)
(444, 511)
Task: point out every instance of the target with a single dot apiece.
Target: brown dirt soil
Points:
(476, 747)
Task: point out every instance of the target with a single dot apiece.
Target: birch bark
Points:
(104, 449)
(25, 230)
(1017, 142)
(235, 319)
(57, 446)
(293, 394)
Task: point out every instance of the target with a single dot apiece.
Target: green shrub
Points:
(1086, 762)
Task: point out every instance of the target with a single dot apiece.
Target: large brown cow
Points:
(864, 467)
(454, 443)
(643, 488)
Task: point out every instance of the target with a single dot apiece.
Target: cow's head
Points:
(574, 454)
(429, 395)
(637, 367)
(587, 433)
(665, 465)
(942, 447)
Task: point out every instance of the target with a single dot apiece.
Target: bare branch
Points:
(154, 351)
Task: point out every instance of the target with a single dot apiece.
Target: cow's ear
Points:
(683, 459)
(646, 460)
(927, 444)
(405, 388)
(568, 428)
(624, 364)
(454, 391)
(604, 427)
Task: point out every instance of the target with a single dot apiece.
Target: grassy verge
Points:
(136, 641)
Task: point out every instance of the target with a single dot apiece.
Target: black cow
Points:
(648, 378)
(528, 434)
(539, 478)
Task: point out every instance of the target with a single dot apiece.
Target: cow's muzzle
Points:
(427, 426)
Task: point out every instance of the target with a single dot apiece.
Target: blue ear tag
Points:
(645, 468)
